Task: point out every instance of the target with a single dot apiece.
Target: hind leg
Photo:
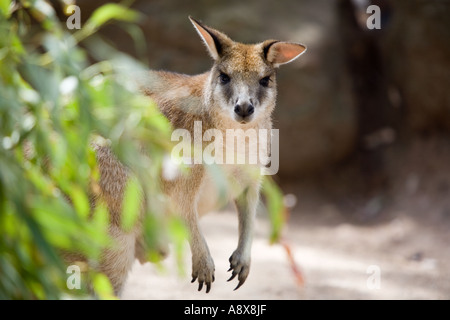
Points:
(117, 261)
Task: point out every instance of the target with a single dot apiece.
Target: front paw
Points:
(240, 264)
(203, 270)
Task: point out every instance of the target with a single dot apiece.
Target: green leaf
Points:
(111, 11)
(131, 205)
(44, 81)
(4, 8)
(178, 233)
(103, 287)
(275, 206)
(80, 201)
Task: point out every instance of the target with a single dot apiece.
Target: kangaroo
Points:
(239, 92)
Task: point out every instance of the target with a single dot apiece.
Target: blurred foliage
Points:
(275, 208)
(53, 104)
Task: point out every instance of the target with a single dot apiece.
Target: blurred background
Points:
(364, 120)
(364, 123)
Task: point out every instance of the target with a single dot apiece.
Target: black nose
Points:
(244, 110)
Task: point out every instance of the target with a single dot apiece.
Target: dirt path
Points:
(338, 260)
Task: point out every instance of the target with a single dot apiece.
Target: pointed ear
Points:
(214, 40)
(278, 52)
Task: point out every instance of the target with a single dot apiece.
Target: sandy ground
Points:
(399, 257)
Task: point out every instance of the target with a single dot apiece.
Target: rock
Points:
(417, 53)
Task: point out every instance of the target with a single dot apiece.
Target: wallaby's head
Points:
(242, 81)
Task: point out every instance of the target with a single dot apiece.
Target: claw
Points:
(193, 279)
(239, 285)
(208, 287)
(200, 286)
(240, 266)
(232, 276)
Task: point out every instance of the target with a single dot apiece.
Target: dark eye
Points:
(265, 81)
(224, 79)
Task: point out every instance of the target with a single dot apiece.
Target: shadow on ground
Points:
(339, 260)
